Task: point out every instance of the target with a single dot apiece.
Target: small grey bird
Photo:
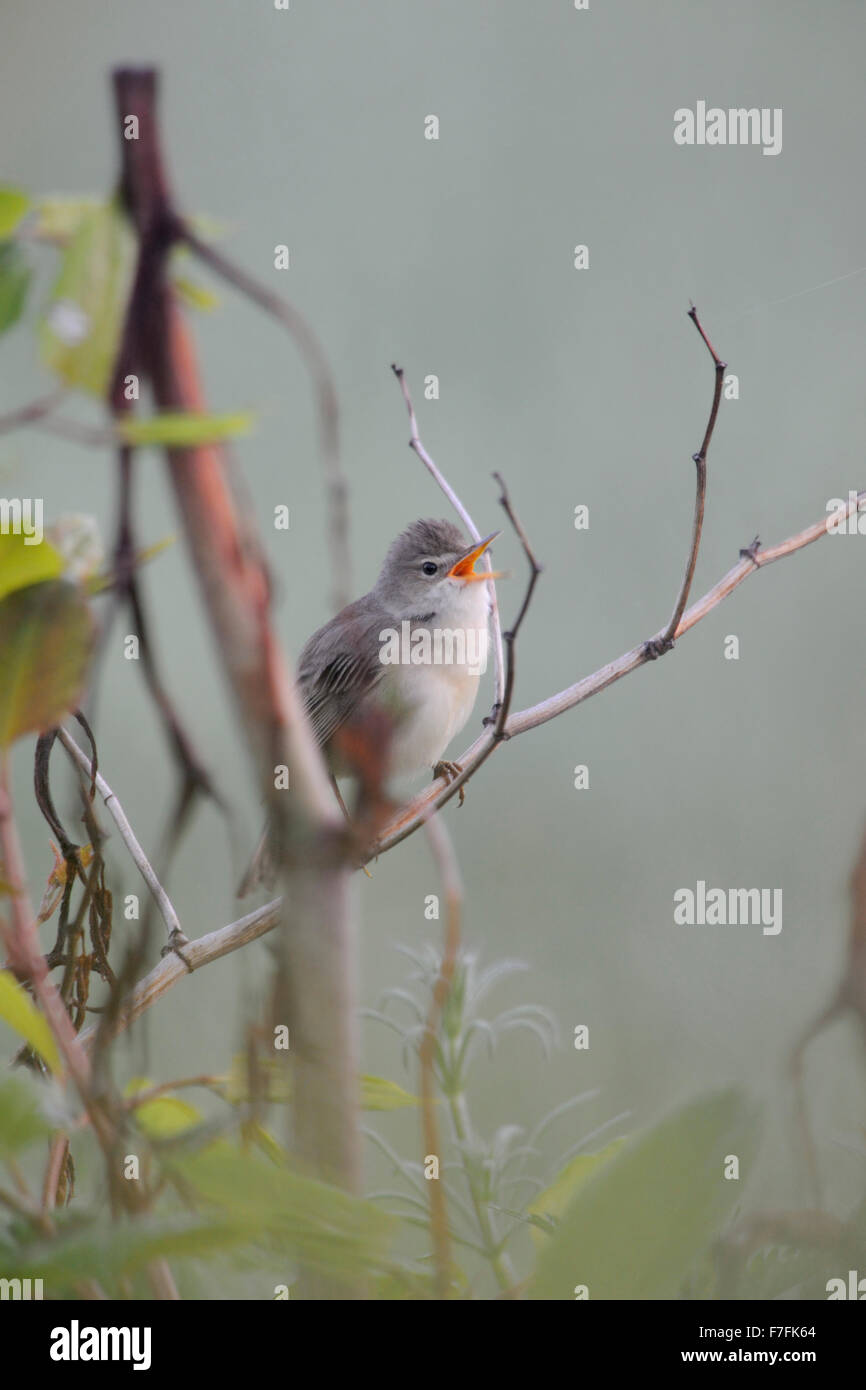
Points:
(410, 653)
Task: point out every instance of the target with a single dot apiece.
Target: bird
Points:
(405, 658)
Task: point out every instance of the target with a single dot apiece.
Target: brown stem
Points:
(318, 966)
(443, 853)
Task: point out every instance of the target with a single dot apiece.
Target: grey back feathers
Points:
(340, 665)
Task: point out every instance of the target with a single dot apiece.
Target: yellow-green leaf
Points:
(81, 330)
(58, 219)
(18, 1010)
(46, 634)
(22, 564)
(274, 1086)
(379, 1094)
(162, 1116)
(637, 1224)
(15, 277)
(165, 1116)
(553, 1201)
(13, 206)
(185, 430)
(195, 296)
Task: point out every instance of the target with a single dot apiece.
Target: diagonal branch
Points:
(201, 951)
(410, 817)
(176, 936)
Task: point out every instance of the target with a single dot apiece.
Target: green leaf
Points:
(81, 330)
(274, 1086)
(22, 1119)
(195, 296)
(46, 634)
(164, 1116)
(18, 1010)
(15, 277)
(13, 206)
(326, 1228)
(58, 219)
(104, 1250)
(22, 564)
(185, 431)
(550, 1204)
(377, 1093)
(636, 1225)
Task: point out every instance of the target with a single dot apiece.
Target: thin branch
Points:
(176, 936)
(488, 742)
(21, 941)
(659, 647)
(410, 817)
(326, 396)
(32, 412)
(199, 952)
(442, 482)
(510, 637)
(205, 949)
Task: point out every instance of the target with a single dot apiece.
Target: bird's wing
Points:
(338, 668)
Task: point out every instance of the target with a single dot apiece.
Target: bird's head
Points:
(429, 569)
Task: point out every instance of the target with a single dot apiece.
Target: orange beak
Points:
(464, 568)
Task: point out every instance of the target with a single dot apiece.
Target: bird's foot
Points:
(448, 770)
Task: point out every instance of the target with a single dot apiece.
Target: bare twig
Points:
(326, 396)
(499, 732)
(442, 483)
(199, 952)
(21, 942)
(31, 413)
(657, 647)
(410, 817)
(510, 637)
(205, 949)
(176, 936)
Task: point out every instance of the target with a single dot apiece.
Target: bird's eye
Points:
(429, 567)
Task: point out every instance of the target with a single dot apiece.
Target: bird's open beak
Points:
(464, 568)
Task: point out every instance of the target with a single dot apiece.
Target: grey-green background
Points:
(455, 258)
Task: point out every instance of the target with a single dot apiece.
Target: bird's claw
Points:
(448, 770)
